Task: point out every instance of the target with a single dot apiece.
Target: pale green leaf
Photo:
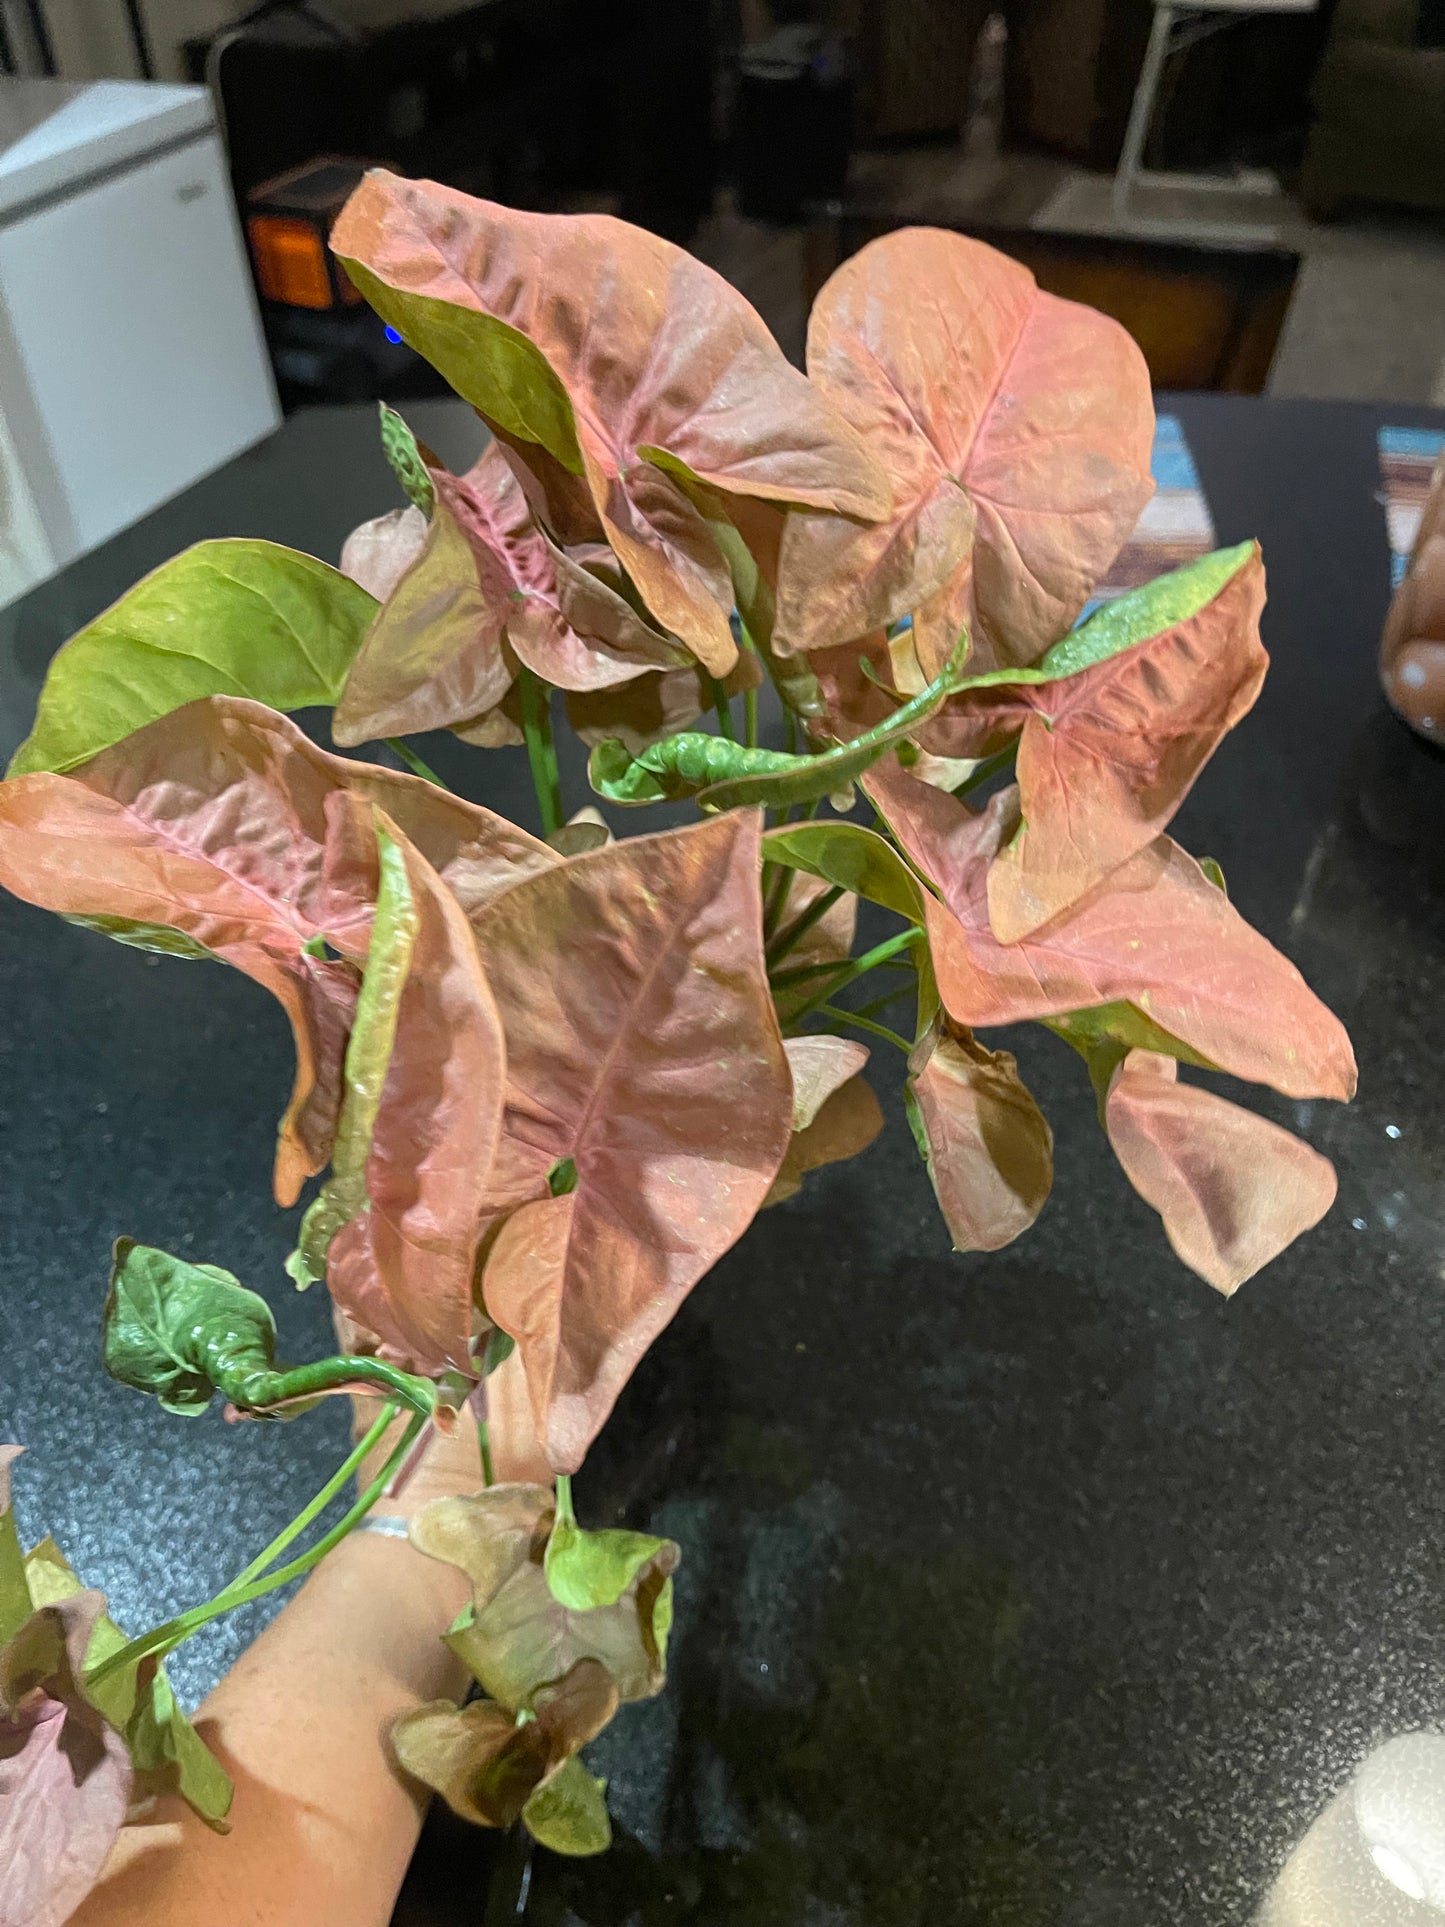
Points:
(157, 937)
(368, 1057)
(399, 446)
(232, 618)
(568, 1812)
(850, 858)
(499, 371)
(590, 1569)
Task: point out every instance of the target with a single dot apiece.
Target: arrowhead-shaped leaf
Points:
(517, 1637)
(1156, 933)
(1117, 721)
(975, 391)
(611, 348)
(987, 1146)
(222, 619)
(1233, 1189)
(183, 1332)
(215, 822)
(641, 1043)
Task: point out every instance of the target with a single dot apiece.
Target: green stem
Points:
(787, 939)
(565, 1514)
(777, 899)
(801, 973)
(413, 762)
(840, 1016)
(164, 1639)
(266, 1389)
(484, 1447)
(859, 967)
(347, 1469)
(541, 751)
(750, 718)
(724, 710)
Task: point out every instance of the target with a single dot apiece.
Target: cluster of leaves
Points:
(555, 1077)
(563, 1627)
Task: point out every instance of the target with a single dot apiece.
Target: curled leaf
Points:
(488, 588)
(183, 1332)
(820, 1066)
(625, 358)
(485, 1762)
(233, 618)
(1233, 1189)
(1156, 934)
(586, 1570)
(368, 1059)
(997, 411)
(408, 464)
(422, 1115)
(726, 775)
(640, 1043)
(517, 1638)
(987, 1145)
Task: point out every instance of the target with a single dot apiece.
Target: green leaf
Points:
(586, 1570)
(726, 776)
(168, 1754)
(499, 371)
(568, 1812)
(181, 1331)
(399, 446)
(1104, 1036)
(1212, 870)
(158, 937)
(368, 1057)
(1129, 619)
(234, 618)
(16, 1601)
(850, 858)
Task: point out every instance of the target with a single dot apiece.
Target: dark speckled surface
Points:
(1040, 1590)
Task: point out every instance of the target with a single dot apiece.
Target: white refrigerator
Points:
(131, 355)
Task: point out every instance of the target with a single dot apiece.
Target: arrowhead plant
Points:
(547, 1073)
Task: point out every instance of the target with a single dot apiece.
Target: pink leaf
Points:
(642, 1046)
(212, 822)
(379, 553)
(1015, 428)
(1156, 933)
(1233, 1189)
(65, 1776)
(1107, 755)
(987, 1145)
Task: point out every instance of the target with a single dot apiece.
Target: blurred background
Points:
(1254, 188)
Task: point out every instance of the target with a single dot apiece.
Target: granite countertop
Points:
(1045, 1588)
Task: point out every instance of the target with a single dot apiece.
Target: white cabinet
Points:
(131, 356)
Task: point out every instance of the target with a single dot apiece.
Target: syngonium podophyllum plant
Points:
(555, 1076)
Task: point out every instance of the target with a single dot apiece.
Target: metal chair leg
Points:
(1141, 113)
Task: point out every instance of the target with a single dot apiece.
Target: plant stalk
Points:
(841, 1016)
(799, 928)
(541, 750)
(724, 710)
(164, 1639)
(414, 762)
(858, 967)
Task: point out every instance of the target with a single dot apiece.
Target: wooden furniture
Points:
(1205, 317)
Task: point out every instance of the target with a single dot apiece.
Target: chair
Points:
(1174, 28)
